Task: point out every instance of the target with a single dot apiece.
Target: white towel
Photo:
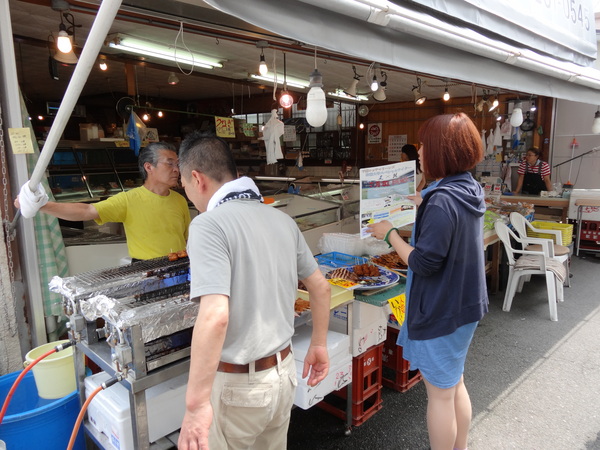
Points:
(238, 185)
(272, 131)
(31, 202)
(533, 262)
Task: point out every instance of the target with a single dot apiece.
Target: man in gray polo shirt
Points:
(245, 260)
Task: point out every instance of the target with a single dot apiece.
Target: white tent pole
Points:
(104, 19)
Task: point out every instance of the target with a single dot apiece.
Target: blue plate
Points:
(386, 278)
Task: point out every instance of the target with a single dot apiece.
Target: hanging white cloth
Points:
(272, 131)
(498, 137)
(483, 142)
(490, 143)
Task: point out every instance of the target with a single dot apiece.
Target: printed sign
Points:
(395, 144)
(374, 133)
(225, 127)
(20, 140)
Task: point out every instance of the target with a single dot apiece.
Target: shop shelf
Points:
(396, 374)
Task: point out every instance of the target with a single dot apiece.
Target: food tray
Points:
(566, 230)
(337, 259)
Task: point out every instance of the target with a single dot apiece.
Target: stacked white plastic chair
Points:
(531, 262)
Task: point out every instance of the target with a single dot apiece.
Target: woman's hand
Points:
(380, 229)
(416, 198)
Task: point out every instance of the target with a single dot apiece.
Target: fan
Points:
(363, 110)
(123, 107)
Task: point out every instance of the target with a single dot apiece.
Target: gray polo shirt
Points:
(254, 254)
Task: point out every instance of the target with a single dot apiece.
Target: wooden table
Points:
(544, 206)
(491, 241)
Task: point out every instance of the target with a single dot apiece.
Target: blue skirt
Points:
(441, 360)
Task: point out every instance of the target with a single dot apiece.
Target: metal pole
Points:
(106, 14)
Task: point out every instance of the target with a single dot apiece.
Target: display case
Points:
(83, 171)
(347, 196)
(314, 217)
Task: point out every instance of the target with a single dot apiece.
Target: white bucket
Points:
(55, 374)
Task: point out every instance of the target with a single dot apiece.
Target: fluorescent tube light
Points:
(271, 78)
(161, 51)
(341, 94)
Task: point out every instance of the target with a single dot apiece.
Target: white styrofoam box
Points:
(109, 411)
(364, 314)
(588, 213)
(373, 334)
(338, 377)
(338, 345)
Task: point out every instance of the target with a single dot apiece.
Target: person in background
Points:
(245, 262)
(409, 153)
(534, 174)
(156, 219)
(446, 292)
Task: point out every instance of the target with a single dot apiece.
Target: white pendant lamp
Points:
(516, 119)
(316, 110)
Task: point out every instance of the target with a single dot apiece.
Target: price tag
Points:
(397, 305)
(225, 127)
(20, 140)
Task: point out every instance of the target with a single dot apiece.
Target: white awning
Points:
(416, 41)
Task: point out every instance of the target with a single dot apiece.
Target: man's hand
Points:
(194, 429)
(317, 362)
(30, 202)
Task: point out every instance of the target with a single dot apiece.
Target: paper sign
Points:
(395, 144)
(248, 129)
(20, 140)
(397, 305)
(374, 133)
(123, 144)
(289, 133)
(225, 127)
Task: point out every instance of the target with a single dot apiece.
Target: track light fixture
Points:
(351, 91)
(419, 97)
(379, 95)
(262, 67)
(596, 122)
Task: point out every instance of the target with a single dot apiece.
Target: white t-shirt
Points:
(254, 254)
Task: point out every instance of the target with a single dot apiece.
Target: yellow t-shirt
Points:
(155, 225)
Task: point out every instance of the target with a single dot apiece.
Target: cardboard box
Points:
(338, 377)
(109, 411)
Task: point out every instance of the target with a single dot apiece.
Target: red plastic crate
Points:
(590, 230)
(396, 374)
(366, 388)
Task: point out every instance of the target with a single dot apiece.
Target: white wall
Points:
(574, 120)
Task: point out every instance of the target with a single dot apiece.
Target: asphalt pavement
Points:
(534, 383)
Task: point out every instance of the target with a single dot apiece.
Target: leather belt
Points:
(260, 364)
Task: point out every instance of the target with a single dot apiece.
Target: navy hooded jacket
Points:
(448, 263)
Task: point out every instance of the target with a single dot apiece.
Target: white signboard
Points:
(374, 133)
(384, 192)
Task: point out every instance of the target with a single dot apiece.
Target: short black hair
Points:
(208, 154)
(150, 154)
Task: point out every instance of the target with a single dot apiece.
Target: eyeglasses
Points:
(171, 164)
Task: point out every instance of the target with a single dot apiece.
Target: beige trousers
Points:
(252, 410)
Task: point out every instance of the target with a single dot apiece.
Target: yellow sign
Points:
(225, 127)
(397, 304)
(124, 144)
(20, 140)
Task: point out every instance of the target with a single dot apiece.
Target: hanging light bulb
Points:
(361, 126)
(262, 66)
(533, 108)
(160, 114)
(316, 110)
(286, 100)
(446, 95)
(103, 66)
(173, 79)
(63, 41)
(494, 104)
(516, 119)
(146, 117)
(374, 84)
(596, 123)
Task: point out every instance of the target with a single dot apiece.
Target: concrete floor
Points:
(534, 384)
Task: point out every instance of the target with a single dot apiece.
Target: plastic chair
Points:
(532, 262)
(559, 252)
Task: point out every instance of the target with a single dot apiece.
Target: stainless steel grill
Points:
(141, 311)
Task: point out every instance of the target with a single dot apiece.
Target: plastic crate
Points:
(337, 259)
(590, 230)
(396, 374)
(366, 388)
(566, 230)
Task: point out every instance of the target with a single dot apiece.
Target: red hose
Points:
(81, 415)
(18, 380)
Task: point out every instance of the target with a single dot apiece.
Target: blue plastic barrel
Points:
(34, 422)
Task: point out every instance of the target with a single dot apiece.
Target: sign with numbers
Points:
(395, 144)
(225, 127)
(20, 140)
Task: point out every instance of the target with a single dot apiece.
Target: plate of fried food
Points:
(362, 276)
(390, 261)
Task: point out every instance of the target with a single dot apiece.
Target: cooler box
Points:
(369, 325)
(340, 366)
(109, 411)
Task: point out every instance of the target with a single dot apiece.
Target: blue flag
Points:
(135, 142)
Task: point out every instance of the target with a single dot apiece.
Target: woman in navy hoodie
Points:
(446, 290)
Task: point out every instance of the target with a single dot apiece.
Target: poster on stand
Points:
(384, 192)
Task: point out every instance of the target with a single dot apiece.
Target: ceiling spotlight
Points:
(351, 91)
(492, 105)
(103, 66)
(262, 67)
(596, 123)
(419, 97)
(446, 95)
(173, 79)
(379, 95)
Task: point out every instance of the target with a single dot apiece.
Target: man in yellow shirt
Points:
(156, 219)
